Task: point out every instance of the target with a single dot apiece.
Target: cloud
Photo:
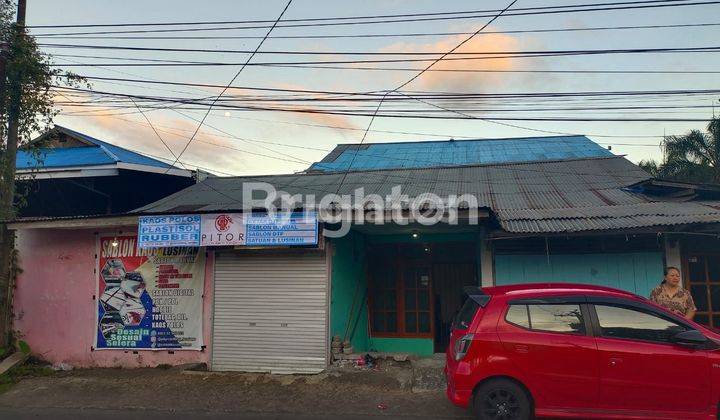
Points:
(210, 149)
(462, 81)
(317, 118)
(133, 132)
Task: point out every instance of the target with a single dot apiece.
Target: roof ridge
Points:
(112, 155)
(103, 145)
(464, 140)
(341, 172)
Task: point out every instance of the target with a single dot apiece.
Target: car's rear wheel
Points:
(501, 399)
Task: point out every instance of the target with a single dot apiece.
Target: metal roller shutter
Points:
(270, 313)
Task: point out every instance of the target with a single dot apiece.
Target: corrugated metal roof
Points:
(509, 186)
(63, 157)
(100, 153)
(540, 197)
(425, 154)
(608, 217)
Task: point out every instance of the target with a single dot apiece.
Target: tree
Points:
(26, 109)
(691, 157)
(650, 166)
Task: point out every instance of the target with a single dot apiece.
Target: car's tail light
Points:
(462, 346)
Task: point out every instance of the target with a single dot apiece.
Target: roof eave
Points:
(79, 171)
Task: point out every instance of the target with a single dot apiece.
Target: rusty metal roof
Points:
(627, 216)
(537, 185)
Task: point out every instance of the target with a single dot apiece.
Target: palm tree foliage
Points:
(691, 157)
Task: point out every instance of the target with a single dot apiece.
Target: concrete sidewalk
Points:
(157, 393)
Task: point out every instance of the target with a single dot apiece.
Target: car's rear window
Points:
(465, 317)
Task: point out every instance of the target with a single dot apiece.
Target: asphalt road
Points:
(114, 414)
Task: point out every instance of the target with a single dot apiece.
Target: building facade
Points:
(275, 305)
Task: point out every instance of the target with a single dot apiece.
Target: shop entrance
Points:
(415, 289)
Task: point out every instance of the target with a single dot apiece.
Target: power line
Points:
(413, 79)
(441, 95)
(387, 35)
(194, 23)
(291, 158)
(500, 166)
(456, 70)
(412, 133)
(570, 9)
(156, 132)
(209, 85)
(394, 132)
(694, 50)
(306, 147)
(383, 53)
(233, 79)
(405, 69)
(634, 108)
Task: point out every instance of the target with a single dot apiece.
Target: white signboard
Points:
(222, 229)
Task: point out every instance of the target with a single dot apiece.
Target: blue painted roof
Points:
(424, 154)
(98, 153)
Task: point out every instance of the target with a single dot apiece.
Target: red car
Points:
(570, 350)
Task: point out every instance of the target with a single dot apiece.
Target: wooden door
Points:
(702, 278)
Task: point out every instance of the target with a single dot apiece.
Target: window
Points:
(383, 297)
(557, 318)
(467, 313)
(545, 317)
(703, 280)
(618, 322)
(416, 289)
(518, 315)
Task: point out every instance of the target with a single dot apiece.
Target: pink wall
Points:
(54, 310)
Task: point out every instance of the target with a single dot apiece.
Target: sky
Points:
(253, 142)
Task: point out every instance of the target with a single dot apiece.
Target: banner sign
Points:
(149, 298)
(228, 229)
(164, 231)
(296, 229)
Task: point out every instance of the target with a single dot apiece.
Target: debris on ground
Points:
(62, 366)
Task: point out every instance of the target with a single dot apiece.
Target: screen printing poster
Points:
(149, 298)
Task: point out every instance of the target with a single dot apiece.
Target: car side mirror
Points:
(690, 338)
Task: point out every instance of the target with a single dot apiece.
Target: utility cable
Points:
(411, 80)
(233, 79)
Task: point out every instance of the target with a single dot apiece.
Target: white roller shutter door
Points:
(270, 312)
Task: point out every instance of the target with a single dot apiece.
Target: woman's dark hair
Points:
(667, 270)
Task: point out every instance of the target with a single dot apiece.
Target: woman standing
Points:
(671, 295)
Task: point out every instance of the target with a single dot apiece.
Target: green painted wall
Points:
(349, 284)
(637, 272)
(418, 346)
